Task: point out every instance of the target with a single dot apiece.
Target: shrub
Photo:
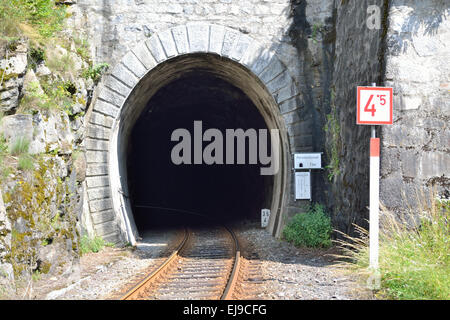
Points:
(92, 245)
(414, 260)
(310, 229)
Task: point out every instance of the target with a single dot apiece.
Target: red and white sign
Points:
(374, 105)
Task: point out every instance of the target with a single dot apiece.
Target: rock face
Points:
(6, 269)
(13, 64)
(41, 213)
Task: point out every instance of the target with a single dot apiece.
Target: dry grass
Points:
(414, 251)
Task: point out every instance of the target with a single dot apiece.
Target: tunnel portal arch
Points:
(223, 52)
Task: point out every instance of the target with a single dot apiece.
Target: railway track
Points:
(205, 265)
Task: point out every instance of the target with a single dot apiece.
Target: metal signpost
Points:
(374, 107)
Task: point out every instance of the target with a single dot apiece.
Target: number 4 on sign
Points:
(374, 105)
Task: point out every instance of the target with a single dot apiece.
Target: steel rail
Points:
(142, 284)
(231, 281)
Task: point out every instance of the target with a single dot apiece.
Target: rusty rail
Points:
(138, 291)
(135, 291)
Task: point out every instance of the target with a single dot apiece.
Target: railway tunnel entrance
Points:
(184, 76)
(219, 191)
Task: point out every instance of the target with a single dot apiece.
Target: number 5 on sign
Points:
(374, 105)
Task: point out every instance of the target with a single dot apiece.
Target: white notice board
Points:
(311, 160)
(303, 185)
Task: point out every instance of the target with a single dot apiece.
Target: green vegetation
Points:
(82, 48)
(34, 18)
(414, 260)
(317, 28)
(93, 245)
(25, 162)
(332, 129)
(60, 64)
(310, 229)
(95, 72)
(48, 95)
(20, 146)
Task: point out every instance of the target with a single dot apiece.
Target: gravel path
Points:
(103, 274)
(293, 273)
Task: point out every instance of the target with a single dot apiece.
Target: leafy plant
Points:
(93, 245)
(95, 72)
(310, 229)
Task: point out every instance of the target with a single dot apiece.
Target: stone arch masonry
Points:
(260, 60)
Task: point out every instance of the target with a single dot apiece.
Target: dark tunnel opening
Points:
(165, 194)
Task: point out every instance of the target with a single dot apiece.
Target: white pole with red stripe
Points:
(374, 198)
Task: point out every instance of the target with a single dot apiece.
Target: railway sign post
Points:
(374, 107)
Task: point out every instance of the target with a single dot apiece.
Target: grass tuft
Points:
(20, 146)
(414, 253)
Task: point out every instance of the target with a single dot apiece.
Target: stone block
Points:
(262, 61)
(231, 36)
(96, 145)
(100, 205)
(97, 132)
(110, 96)
(96, 156)
(106, 228)
(274, 69)
(168, 43)
(198, 35)
(240, 47)
(291, 104)
(99, 193)
(96, 169)
(95, 182)
(216, 39)
(134, 64)
(103, 216)
(252, 53)
(145, 57)
(282, 80)
(180, 37)
(106, 108)
(123, 74)
(155, 47)
(287, 93)
(101, 119)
